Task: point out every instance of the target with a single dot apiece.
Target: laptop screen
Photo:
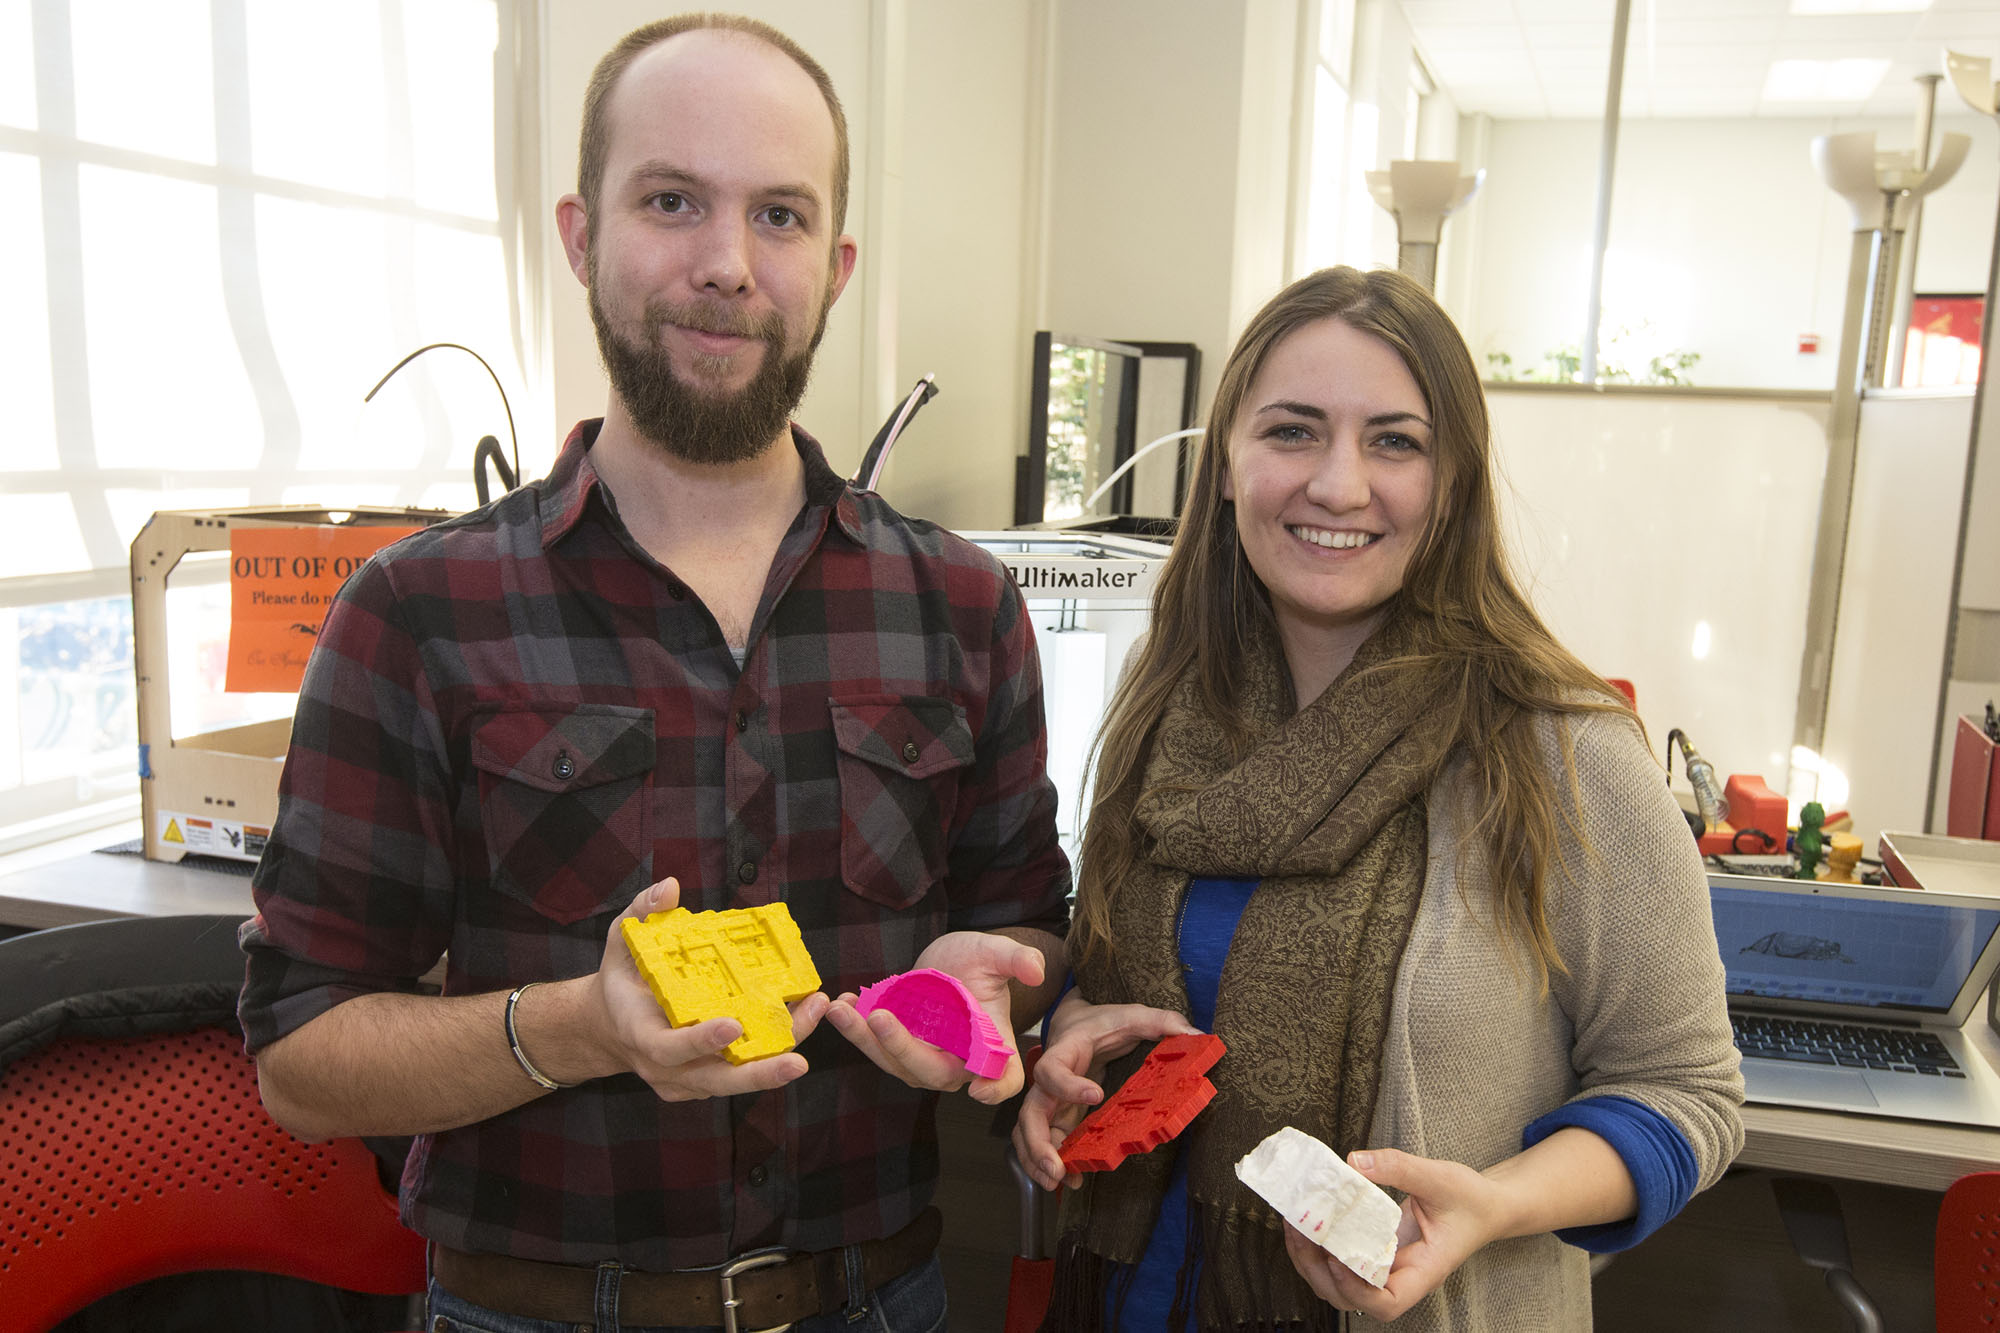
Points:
(1902, 953)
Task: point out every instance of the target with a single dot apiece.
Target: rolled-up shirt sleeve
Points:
(1643, 982)
(353, 894)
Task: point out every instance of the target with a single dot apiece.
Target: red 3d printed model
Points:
(1161, 1099)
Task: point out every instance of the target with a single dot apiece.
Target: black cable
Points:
(489, 452)
(508, 407)
(1769, 843)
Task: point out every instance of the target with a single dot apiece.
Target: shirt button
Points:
(564, 767)
(758, 1175)
(742, 720)
(910, 752)
(747, 872)
(676, 590)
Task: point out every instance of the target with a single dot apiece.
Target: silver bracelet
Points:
(514, 1041)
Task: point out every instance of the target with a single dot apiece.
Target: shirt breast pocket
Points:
(900, 758)
(564, 801)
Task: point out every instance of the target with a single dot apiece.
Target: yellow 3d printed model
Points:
(746, 963)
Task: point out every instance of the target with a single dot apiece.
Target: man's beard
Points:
(694, 425)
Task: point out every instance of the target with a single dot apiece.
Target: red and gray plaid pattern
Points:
(516, 720)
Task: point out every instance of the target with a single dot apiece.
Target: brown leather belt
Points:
(770, 1288)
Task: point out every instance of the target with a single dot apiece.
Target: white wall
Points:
(1134, 103)
(1160, 225)
(961, 252)
(1667, 538)
(1721, 232)
(1895, 605)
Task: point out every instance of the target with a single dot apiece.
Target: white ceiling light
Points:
(1823, 80)
(1859, 6)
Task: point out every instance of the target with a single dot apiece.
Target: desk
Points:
(99, 886)
(1912, 1153)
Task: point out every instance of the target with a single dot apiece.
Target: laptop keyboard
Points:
(1817, 1042)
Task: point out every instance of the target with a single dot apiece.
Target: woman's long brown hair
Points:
(1471, 627)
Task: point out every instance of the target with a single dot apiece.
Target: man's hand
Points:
(1080, 1039)
(986, 964)
(682, 1064)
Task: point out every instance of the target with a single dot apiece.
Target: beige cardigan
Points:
(1474, 1054)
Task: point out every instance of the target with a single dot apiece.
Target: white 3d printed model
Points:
(1331, 1203)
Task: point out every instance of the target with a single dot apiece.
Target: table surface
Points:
(1915, 1153)
(99, 886)
(103, 886)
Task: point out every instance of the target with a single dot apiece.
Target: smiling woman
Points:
(1351, 807)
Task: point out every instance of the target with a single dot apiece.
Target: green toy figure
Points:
(1809, 840)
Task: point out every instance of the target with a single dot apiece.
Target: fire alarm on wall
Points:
(1808, 344)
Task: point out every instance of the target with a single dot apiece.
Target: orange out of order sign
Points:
(281, 581)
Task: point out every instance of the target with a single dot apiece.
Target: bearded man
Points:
(691, 667)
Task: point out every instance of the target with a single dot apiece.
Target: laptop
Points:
(1847, 997)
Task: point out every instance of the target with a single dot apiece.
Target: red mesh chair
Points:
(1967, 1266)
(128, 1158)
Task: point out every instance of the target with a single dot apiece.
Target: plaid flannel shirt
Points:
(516, 719)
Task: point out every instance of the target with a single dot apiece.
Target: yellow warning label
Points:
(209, 836)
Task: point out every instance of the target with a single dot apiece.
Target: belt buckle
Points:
(725, 1279)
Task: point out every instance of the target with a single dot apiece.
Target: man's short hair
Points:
(596, 141)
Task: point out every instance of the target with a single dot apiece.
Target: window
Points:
(228, 218)
(1339, 214)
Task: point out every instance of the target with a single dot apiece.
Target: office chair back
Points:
(134, 1157)
(1967, 1273)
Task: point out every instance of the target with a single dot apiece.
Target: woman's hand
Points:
(1079, 1039)
(1572, 1178)
(1450, 1211)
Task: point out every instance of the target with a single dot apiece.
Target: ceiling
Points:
(1539, 59)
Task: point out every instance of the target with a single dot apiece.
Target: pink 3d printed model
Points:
(936, 1007)
(1161, 1099)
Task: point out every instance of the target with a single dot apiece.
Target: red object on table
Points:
(1752, 805)
(1973, 809)
(1161, 1099)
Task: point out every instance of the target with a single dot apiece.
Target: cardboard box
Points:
(215, 793)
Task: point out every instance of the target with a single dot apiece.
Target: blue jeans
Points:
(911, 1303)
